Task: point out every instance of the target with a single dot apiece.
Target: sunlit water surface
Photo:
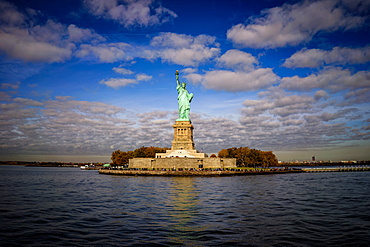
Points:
(69, 207)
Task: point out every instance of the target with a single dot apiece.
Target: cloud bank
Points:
(292, 24)
(314, 58)
(131, 13)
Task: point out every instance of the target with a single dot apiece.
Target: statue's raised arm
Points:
(183, 99)
(177, 78)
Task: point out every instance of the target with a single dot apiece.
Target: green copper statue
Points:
(183, 99)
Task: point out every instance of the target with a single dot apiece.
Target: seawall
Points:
(338, 169)
(184, 173)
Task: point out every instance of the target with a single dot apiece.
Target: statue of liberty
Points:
(183, 99)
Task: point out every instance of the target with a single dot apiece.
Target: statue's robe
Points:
(183, 98)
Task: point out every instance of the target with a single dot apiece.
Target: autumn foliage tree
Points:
(148, 152)
(121, 158)
(246, 157)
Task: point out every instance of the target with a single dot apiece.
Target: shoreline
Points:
(189, 173)
(232, 172)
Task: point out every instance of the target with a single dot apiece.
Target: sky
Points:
(80, 79)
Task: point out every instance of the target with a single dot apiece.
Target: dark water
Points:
(69, 207)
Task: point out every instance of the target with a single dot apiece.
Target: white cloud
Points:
(231, 81)
(331, 79)
(118, 82)
(23, 38)
(282, 106)
(131, 13)
(256, 107)
(29, 102)
(18, 43)
(358, 96)
(122, 82)
(4, 96)
(293, 24)
(10, 85)
(182, 49)
(299, 122)
(242, 76)
(54, 42)
(63, 98)
(293, 100)
(10, 14)
(321, 94)
(67, 126)
(188, 56)
(305, 58)
(357, 5)
(174, 40)
(77, 34)
(189, 70)
(123, 71)
(143, 77)
(64, 127)
(194, 78)
(312, 58)
(236, 59)
(100, 7)
(106, 53)
(30, 42)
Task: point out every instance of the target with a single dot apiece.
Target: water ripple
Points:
(68, 207)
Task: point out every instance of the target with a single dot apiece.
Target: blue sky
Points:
(80, 79)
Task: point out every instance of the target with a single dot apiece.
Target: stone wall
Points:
(184, 163)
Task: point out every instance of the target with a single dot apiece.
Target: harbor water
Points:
(41, 206)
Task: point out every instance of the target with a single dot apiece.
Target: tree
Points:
(115, 157)
(142, 153)
(223, 153)
(148, 152)
(256, 157)
(243, 156)
(269, 159)
(122, 158)
(249, 157)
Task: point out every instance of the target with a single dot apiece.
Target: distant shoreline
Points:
(42, 164)
(98, 164)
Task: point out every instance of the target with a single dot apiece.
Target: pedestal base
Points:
(180, 154)
(183, 136)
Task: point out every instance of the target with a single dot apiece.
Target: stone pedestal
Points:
(183, 136)
(182, 145)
